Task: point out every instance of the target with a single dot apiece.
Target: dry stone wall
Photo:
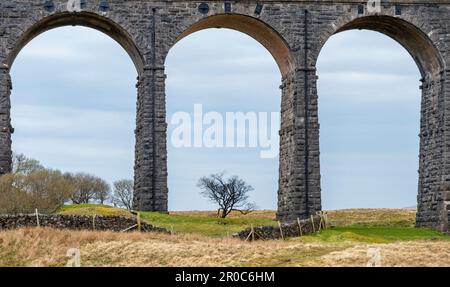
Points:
(74, 222)
(286, 230)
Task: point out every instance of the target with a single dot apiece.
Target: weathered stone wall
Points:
(294, 32)
(74, 222)
(431, 157)
(296, 229)
(423, 30)
(5, 121)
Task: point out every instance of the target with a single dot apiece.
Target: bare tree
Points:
(88, 187)
(123, 193)
(25, 165)
(102, 191)
(230, 194)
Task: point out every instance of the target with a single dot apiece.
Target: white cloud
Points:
(69, 121)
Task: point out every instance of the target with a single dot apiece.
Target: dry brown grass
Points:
(373, 217)
(48, 247)
(402, 254)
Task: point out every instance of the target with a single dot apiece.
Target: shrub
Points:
(45, 190)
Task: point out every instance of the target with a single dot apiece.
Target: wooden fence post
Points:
(321, 220)
(312, 222)
(93, 221)
(299, 226)
(139, 221)
(281, 230)
(253, 233)
(37, 218)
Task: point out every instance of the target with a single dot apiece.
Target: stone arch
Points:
(416, 41)
(33, 27)
(86, 19)
(255, 28)
(423, 47)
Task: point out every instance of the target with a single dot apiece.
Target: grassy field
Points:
(196, 222)
(365, 225)
(201, 240)
(93, 209)
(207, 223)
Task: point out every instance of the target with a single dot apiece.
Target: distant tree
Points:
(25, 165)
(43, 189)
(30, 186)
(229, 194)
(88, 187)
(103, 191)
(123, 193)
(12, 198)
(47, 189)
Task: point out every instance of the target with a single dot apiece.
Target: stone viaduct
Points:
(293, 32)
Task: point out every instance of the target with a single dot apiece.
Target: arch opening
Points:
(422, 46)
(73, 103)
(370, 118)
(253, 27)
(86, 19)
(223, 78)
(415, 41)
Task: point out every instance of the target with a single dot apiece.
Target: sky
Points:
(74, 104)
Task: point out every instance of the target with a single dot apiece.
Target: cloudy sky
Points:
(74, 101)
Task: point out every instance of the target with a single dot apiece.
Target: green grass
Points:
(205, 225)
(92, 209)
(375, 234)
(355, 225)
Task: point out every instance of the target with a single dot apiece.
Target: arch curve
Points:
(253, 27)
(86, 19)
(413, 39)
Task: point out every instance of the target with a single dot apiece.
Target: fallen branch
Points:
(129, 228)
